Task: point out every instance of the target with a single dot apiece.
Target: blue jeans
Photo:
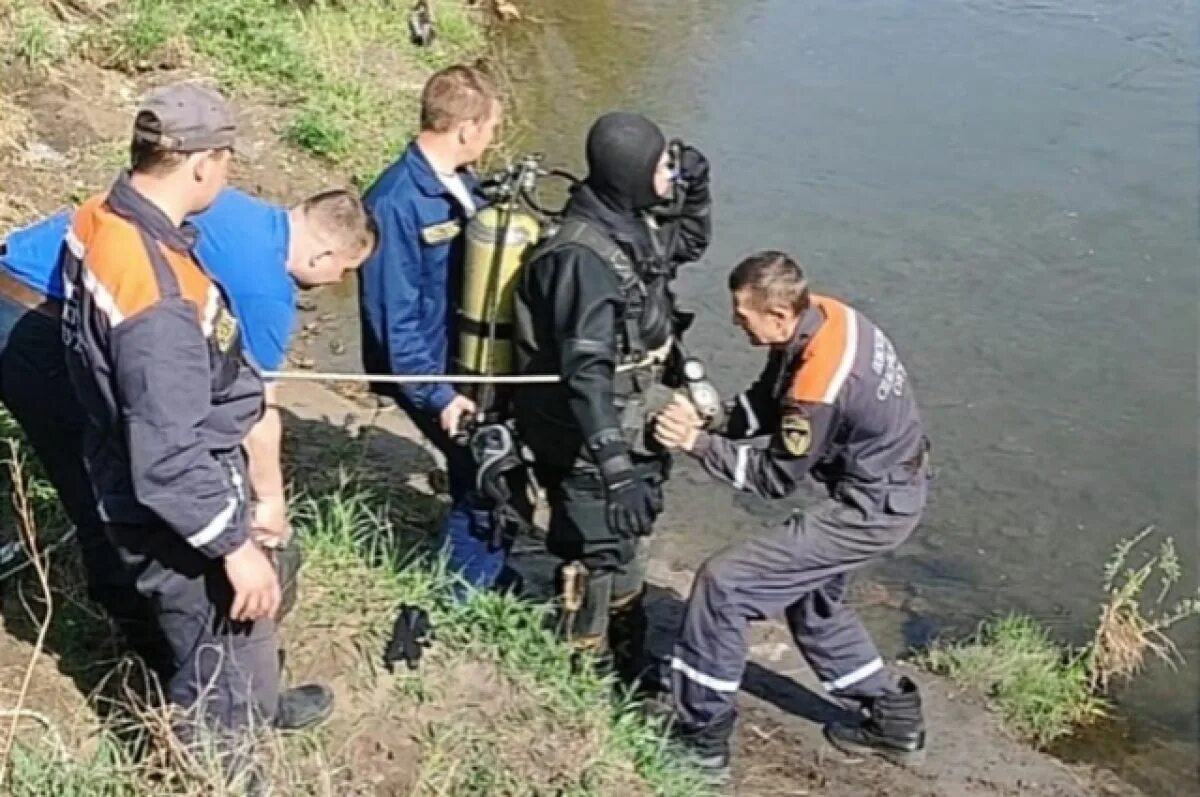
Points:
(36, 390)
(468, 539)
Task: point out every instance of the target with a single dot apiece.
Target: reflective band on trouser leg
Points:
(702, 691)
(856, 676)
(705, 680)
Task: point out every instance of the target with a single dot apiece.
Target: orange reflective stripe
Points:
(118, 270)
(829, 357)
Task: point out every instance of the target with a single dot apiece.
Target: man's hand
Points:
(269, 526)
(678, 425)
(256, 592)
(452, 414)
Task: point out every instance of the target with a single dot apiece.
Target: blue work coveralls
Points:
(407, 292)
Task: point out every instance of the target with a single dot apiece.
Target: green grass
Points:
(347, 68)
(36, 39)
(556, 728)
(106, 772)
(1042, 690)
(355, 556)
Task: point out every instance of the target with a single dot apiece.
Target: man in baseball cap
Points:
(185, 117)
(156, 358)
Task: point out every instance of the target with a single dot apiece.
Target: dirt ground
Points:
(781, 752)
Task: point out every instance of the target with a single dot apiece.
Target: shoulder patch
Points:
(436, 234)
(795, 429)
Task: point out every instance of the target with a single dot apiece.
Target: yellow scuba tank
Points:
(496, 241)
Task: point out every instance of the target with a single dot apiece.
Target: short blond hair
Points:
(455, 95)
(340, 217)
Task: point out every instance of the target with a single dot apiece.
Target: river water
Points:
(1010, 188)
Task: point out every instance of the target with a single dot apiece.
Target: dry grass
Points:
(27, 527)
(1131, 629)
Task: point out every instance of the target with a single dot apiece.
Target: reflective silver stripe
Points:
(74, 244)
(751, 419)
(103, 299)
(215, 526)
(848, 355)
(210, 310)
(850, 679)
(739, 469)
(692, 674)
(238, 484)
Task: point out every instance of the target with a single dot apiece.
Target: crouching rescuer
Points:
(834, 402)
(593, 306)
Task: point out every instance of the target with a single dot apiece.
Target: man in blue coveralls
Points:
(422, 203)
(260, 253)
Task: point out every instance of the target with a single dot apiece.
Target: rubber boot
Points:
(706, 747)
(586, 627)
(894, 728)
(303, 707)
(627, 626)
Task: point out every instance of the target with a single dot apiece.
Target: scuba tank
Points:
(498, 239)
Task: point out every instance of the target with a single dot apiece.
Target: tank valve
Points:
(702, 393)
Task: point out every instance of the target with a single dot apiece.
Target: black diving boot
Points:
(894, 728)
(303, 707)
(627, 627)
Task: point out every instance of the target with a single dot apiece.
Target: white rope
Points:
(656, 357)
(409, 379)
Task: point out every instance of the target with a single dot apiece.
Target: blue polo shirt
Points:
(31, 254)
(243, 243)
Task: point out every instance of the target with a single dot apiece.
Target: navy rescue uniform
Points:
(157, 362)
(834, 403)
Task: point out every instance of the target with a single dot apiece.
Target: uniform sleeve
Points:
(174, 474)
(585, 297)
(752, 412)
(771, 466)
(397, 310)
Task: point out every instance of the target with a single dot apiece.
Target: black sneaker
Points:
(304, 707)
(894, 728)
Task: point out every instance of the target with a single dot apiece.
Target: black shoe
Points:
(894, 728)
(706, 748)
(304, 707)
(714, 768)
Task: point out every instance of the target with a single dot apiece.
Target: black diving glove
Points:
(631, 504)
(694, 171)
